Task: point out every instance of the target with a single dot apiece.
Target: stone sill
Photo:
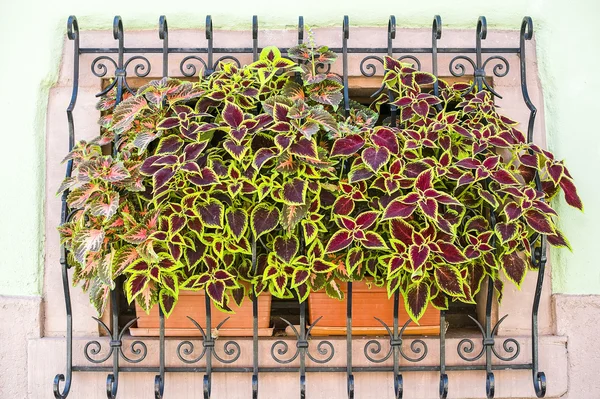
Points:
(417, 384)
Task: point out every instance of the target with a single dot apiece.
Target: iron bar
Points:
(209, 344)
(163, 34)
(73, 35)
(390, 53)
(443, 389)
(351, 50)
(320, 369)
(254, 328)
(159, 380)
(539, 253)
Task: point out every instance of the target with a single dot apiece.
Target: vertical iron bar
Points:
(163, 34)
(349, 375)
(72, 34)
(300, 29)
(539, 255)
(112, 380)
(209, 345)
(254, 37)
(390, 38)
(254, 328)
(488, 340)
(398, 383)
(345, 36)
(436, 34)
(209, 36)
(120, 71)
(301, 342)
(159, 380)
(443, 376)
(539, 378)
(481, 35)
(303, 339)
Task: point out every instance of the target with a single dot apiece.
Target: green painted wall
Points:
(32, 33)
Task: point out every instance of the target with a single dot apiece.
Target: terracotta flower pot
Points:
(192, 304)
(366, 305)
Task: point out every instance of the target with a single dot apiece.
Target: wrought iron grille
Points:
(406, 356)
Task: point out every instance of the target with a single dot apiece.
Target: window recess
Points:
(480, 348)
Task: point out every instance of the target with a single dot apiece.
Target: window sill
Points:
(183, 384)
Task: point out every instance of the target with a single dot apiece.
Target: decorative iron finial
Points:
(72, 28)
(392, 27)
(209, 27)
(300, 29)
(118, 28)
(437, 28)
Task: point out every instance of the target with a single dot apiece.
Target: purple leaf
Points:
(347, 146)
(449, 280)
(237, 221)
(193, 151)
(385, 137)
(503, 176)
(216, 291)
(168, 123)
(232, 115)
(513, 211)
(212, 213)
(304, 148)
(294, 192)
(450, 252)
(373, 241)
(340, 240)
(571, 195)
(206, 177)
(424, 180)
(506, 231)
(343, 206)
(398, 209)
(169, 145)
(375, 158)
(286, 247)
(366, 219)
(262, 156)
(263, 219)
(514, 267)
(418, 255)
(539, 222)
(162, 177)
(416, 298)
(429, 207)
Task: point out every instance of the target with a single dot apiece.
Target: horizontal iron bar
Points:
(526, 366)
(249, 50)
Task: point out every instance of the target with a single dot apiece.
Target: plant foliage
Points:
(260, 160)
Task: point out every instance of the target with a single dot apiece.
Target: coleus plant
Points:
(252, 180)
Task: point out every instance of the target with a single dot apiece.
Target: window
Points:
(361, 88)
